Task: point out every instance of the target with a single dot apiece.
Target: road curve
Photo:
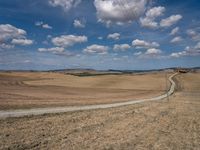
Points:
(41, 111)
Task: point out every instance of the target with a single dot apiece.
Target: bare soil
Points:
(173, 124)
(44, 89)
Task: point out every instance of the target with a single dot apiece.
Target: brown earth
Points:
(44, 89)
(165, 125)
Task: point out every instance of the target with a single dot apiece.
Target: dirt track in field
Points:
(43, 89)
(173, 124)
(53, 110)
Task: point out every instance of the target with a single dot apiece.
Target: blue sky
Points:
(99, 34)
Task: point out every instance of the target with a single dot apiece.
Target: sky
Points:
(99, 34)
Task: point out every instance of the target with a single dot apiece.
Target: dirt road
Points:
(158, 125)
(26, 90)
(41, 111)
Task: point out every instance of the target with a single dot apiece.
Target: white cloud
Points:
(153, 51)
(114, 36)
(173, 19)
(193, 34)
(149, 20)
(121, 47)
(57, 51)
(66, 54)
(43, 25)
(119, 12)
(10, 35)
(176, 39)
(8, 32)
(197, 46)
(68, 40)
(155, 12)
(99, 49)
(174, 31)
(193, 48)
(138, 53)
(65, 4)
(62, 42)
(46, 26)
(143, 44)
(38, 23)
(193, 51)
(177, 55)
(79, 23)
(150, 53)
(189, 51)
(53, 49)
(6, 46)
(148, 23)
(22, 42)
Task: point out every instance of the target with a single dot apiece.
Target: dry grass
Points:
(43, 89)
(173, 124)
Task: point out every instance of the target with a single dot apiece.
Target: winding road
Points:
(41, 111)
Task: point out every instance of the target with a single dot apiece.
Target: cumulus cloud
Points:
(137, 53)
(149, 20)
(150, 53)
(174, 31)
(43, 25)
(68, 40)
(53, 49)
(155, 12)
(46, 26)
(176, 39)
(57, 51)
(98, 49)
(22, 42)
(144, 44)
(148, 23)
(62, 42)
(38, 23)
(181, 54)
(114, 36)
(121, 47)
(195, 35)
(8, 31)
(79, 23)
(66, 5)
(197, 47)
(6, 46)
(153, 51)
(119, 12)
(177, 54)
(10, 36)
(189, 51)
(173, 19)
(194, 51)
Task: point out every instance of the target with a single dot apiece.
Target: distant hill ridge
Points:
(76, 70)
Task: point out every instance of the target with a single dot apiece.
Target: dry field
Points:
(44, 89)
(164, 125)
